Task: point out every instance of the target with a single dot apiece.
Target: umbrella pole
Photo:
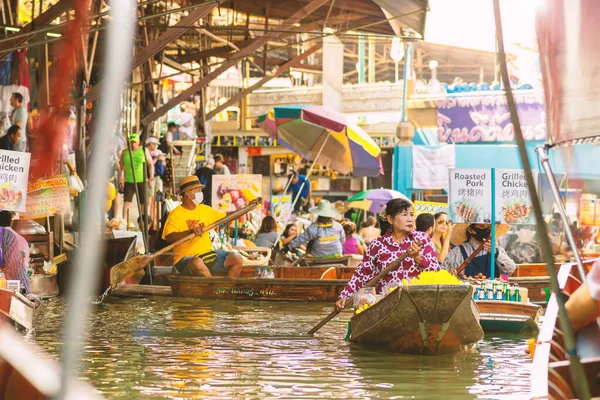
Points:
(308, 174)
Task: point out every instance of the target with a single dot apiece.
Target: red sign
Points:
(254, 151)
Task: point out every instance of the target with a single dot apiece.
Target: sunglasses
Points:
(444, 222)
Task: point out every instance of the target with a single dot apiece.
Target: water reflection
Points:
(206, 349)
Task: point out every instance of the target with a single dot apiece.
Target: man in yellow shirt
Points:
(197, 257)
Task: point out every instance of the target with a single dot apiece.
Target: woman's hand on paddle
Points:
(414, 251)
(340, 304)
(487, 245)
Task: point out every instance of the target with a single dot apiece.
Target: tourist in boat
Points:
(324, 237)
(290, 233)
(399, 239)
(583, 306)
(267, 233)
(353, 244)
(442, 232)
(197, 257)
(369, 231)
(425, 223)
(467, 238)
(14, 257)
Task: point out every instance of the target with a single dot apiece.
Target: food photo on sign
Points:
(14, 174)
(470, 196)
(513, 204)
(233, 192)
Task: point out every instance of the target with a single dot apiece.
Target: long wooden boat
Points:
(26, 373)
(508, 316)
(550, 375)
(420, 319)
(16, 309)
(277, 289)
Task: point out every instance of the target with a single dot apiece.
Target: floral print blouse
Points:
(383, 251)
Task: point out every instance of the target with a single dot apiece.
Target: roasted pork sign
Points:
(470, 196)
(47, 197)
(485, 118)
(14, 172)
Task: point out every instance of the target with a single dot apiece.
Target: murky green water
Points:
(179, 348)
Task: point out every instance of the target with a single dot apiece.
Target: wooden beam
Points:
(174, 64)
(246, 51)
(43, 19)
(220, 51)
(291, 63)
(162, 41)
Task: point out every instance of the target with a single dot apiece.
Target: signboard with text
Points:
(47, 197)
(14, 173)
(281, 207)
(429, 207)
(470, 196)
(513, 202)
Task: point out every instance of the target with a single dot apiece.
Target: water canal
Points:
(181, 348)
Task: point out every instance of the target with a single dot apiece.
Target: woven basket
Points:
(263, 262)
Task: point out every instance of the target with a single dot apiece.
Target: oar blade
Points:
(127, 268)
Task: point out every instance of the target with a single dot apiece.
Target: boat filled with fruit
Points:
(429, 315)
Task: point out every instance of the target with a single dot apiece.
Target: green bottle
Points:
(517, 295)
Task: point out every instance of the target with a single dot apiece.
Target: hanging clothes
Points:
(21, 67)
(6, 70)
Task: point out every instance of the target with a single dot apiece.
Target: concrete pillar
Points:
(361, 58)
(333, 71)
(371, 59)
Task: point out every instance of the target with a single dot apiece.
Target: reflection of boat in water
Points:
(551, 376)
(509, 316)
(420, 319)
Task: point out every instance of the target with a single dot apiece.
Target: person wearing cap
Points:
(467, 238)
(129, 175)
(158, 157)
(196, 256)
(299, 184)
(324, 237)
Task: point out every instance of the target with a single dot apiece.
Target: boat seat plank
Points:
(591, 367)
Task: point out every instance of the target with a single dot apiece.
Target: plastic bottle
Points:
(517, 295)
(2, 280)
(271, 274)
(264, 274)
(257, 273)
(476, 294)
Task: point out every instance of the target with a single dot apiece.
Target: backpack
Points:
(159, 168)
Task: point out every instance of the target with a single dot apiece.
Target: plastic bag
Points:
(49, 268)
(75, 185)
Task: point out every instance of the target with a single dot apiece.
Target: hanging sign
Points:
(470, 196)
(14, 173)
(587, 209)
(281, 207)
(430, 207)
(513, 202)
(47, 197)
(232, 192)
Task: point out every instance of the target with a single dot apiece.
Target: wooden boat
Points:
(508, 316)
(26, 373)
(277, 289)
(550, 374)
(116, 251)
(16, 309)
(420, 319)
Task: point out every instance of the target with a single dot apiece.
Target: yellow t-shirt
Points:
(181, 219)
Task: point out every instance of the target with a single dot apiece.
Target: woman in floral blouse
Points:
(399, 239)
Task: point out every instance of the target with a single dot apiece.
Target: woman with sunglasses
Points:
(442, 231)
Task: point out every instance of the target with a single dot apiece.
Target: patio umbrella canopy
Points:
(374, 200)
(312, 131)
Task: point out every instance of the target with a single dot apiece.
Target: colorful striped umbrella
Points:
(374, 200)
(313, 131)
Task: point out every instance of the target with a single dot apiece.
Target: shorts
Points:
(129, 191)
(214, 261)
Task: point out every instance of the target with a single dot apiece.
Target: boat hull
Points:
(256, 289)
(16, 309)
(509, 317)
(420, 319)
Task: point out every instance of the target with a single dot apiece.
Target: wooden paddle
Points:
(372, 282)
(129, 267)
(470, 258)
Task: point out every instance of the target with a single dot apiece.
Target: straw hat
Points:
(189, 183)
(324, 209)
(459, 233)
